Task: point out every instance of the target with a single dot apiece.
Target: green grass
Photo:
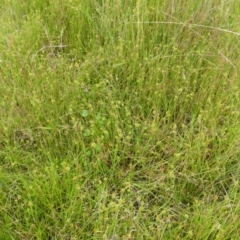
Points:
(119, 119)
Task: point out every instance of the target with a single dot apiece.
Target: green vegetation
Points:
(119, 119)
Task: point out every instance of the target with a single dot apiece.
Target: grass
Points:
(119, 120)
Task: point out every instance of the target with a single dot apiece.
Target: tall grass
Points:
(119, 119)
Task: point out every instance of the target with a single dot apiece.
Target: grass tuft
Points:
(119, 120)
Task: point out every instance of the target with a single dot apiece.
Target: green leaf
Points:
(84, 113)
